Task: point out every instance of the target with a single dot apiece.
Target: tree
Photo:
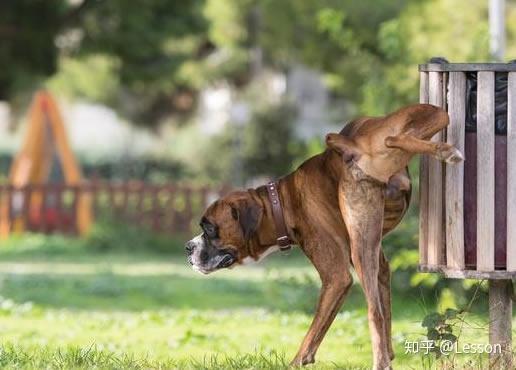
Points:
(338, 38)
(150, 43)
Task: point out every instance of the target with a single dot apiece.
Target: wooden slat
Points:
(467, 67)
(188, 211)
(156, 208)
(60, 220)
(485, 168)
(171, 211)
(423, 183)
(43, 227)
(27, 195)
(436, 254)
(511, 172)
(454, 185)
(76, 191)
(468, 274)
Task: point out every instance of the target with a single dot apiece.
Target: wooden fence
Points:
(52, 208)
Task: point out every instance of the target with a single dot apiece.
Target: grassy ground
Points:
(64, 306)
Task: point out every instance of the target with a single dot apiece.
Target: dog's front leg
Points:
(361, 201)
(332, 262)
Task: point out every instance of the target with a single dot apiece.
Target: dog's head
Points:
(227, 228)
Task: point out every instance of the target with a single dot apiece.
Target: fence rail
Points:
(53, 208)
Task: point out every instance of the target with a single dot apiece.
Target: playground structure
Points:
(468, 210)
(45, 146)
(40, 198)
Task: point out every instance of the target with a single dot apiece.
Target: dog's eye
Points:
(210, 230)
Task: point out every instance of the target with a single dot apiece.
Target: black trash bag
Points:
(500, 102)
(471, 99)
(438, 60)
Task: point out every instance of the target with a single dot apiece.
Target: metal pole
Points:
(500, 291)
(497, 29)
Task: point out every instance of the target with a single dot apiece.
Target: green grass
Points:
(66, 305)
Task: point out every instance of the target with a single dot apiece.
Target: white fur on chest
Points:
(250, 260)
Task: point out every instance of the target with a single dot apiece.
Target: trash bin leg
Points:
(500, 324)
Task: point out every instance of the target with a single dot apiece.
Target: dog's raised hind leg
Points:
(411, 144)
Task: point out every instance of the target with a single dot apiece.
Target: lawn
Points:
(68, 306)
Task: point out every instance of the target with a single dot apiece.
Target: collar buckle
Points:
(279, 222)
(283, 242)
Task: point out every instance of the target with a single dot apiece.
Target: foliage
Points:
(149, 60)
(440, 328)
(368, 50)
(444, 329)
(151, 47)
(338, 38)
(269, 143)
(267, 146)
(27, 50)
(143, 168)
(92, 77)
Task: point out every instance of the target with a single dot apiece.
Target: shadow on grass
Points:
(114, 292)
(60, 272)
(108, 291)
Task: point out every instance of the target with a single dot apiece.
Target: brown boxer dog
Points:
(336, 206)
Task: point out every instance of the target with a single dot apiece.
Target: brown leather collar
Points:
(277, 214)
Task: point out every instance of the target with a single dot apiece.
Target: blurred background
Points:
(135, 115)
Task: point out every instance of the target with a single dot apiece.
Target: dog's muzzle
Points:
(205, 258)
(227, 261)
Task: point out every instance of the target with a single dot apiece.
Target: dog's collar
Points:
(282, 238)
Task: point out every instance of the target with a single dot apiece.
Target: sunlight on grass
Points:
(148, 310)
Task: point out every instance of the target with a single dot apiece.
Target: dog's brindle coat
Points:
(337, 207)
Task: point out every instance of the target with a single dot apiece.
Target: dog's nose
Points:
(189, 247)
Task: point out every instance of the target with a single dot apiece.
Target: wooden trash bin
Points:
(468, 211)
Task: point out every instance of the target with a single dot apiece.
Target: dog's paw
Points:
(453, 155)
(300, 360)
(448, 153)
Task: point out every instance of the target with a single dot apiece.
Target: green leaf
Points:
(433, 334)
(448, 328)
(432, 320)
(450, 337)
(450, 313)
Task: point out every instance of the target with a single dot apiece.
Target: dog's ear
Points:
(248, 212)
(344, 146)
